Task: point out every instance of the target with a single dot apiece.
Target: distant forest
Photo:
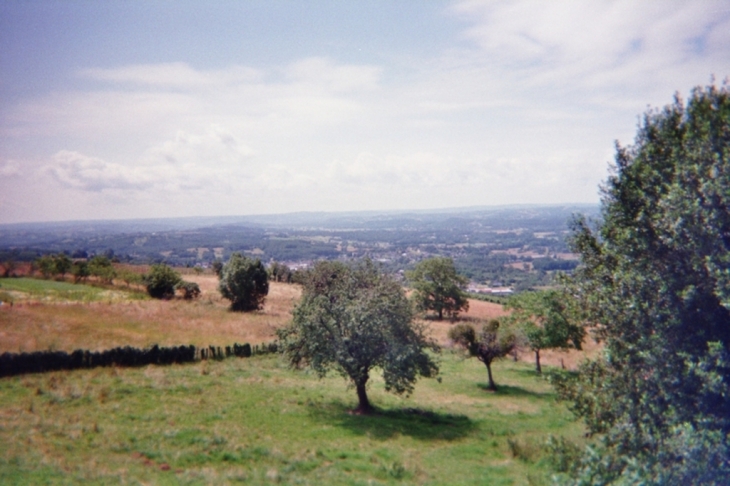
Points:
(519, 246)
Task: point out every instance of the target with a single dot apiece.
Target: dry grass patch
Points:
(100, 325)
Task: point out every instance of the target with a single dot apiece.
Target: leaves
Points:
(653, 280)
(354, 319)
(438, 287)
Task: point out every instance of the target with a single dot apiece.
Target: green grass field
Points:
(256, 421)
(24, 289)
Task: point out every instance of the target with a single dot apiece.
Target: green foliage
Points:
(244, 282)
(547, 319)
(490, 344)
(130, 278)
(161, 281)
(217, 267)
(352, 319)
(101, 267)
(80, 271)
(190, 290)
(438, 287)
(62, 264)
(655, 279)
(280, 272)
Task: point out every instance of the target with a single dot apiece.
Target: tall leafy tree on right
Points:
(654, 280)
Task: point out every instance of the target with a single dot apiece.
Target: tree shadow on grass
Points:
(514, 391)
(384, 424)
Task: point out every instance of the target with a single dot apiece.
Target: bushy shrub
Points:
(161, 281)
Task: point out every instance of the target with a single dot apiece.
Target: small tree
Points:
(46, 265)
(548, 319)
(280, 272)
(438, 287)
(217, 267)
(101, 267)
(244, 282)
(489, 345)
(190, 290)
(63, 264)
(355, 319)
(9, 267)
(80, 271)
(161, 281)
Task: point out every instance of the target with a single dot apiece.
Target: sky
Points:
(150, 109)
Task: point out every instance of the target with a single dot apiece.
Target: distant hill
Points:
(496, 244)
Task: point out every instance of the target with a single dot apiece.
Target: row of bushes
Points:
(12, 364)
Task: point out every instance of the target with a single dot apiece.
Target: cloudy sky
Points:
(133, 109)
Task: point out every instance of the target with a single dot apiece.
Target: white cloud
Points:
(523, 108)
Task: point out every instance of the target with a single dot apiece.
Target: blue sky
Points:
(129, 109)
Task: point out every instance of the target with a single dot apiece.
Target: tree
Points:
(62, 264)
(353, 319)
(488, 346)
(244, 282)
(548, 319)
(101, 267)
(654, 278)
(80, 271)
(438, 287)
(161, 281)
(217, 267)
(190, 290)
(280, 272)
(9, 266)
(47, 265)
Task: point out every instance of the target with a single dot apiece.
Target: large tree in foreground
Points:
(244, 282)
(438, 287)
(354, 319)
(655, 279)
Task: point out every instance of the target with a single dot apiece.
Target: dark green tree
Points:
(217, 267)
(80, 271)
(655, 279)
(46, 265)
(190, 290)
(62, 264)
(161, 281)
(353, 319)
(547, 319)
(438, 287)
(244, 282)
(489, 345)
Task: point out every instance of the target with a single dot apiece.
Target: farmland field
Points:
(252, 420)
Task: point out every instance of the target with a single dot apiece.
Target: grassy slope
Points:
(251, 420)
(255, 420)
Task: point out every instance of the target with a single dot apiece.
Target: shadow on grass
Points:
(384, 424)
(514, 391)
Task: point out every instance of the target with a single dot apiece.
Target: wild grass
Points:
(39, 324)
(51, 291)
(256, 421)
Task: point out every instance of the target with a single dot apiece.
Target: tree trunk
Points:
(492, 386)
(363, 407)
(441, 314)
(538, 368)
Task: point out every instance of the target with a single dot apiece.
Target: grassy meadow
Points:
(253, 420)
